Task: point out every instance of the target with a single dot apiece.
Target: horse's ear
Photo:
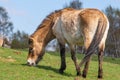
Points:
(30, 40)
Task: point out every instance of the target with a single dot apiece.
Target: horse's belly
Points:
(71, 29)
(68, 34)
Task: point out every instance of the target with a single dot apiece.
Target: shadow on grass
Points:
(24, 64)
(94, 57)
(53, 69)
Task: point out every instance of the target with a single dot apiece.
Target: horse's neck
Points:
(44, 34)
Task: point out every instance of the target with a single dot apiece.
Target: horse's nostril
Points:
(28, 63)
(32, 64)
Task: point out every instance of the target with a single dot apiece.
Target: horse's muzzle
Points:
(31, 63)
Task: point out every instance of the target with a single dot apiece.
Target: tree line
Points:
(19, 39)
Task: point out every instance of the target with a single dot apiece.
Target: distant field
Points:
(12, 67)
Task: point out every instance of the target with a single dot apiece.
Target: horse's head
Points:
(40, 38)
(36, 51)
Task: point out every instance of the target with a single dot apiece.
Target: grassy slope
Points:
(12, 67)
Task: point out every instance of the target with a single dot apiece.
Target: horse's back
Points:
(90, 20)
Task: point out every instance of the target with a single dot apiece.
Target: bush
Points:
(20, 40)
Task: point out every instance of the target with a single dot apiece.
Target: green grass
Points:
(12, 67)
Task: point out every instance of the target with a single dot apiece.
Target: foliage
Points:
(13, 67)
(113, 40)
(20, 40)
(6, 26)
(76, 4)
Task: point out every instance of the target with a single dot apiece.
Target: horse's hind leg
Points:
(73, 56)
(85, 70)
(86, 45)
(62, 55)
(100, 60)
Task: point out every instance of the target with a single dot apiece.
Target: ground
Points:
(13, 67)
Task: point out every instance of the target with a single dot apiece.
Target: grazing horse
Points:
(1, 42)
(69, 26)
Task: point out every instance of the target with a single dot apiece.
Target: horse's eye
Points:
(30, 41)
(30, 50)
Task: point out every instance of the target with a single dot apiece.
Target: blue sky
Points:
(26, 15)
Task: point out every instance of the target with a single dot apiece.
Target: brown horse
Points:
(69, 26)
(1, 42)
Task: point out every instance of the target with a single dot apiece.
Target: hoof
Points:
(100, 77)
(61, 71)
(78, 74)
(83, 75)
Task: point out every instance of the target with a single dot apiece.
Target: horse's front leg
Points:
(63, 60)
(73, 56)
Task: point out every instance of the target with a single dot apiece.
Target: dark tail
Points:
(95, 42)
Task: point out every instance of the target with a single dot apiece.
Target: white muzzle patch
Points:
(31, 62)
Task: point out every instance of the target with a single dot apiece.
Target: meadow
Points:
(13, 67)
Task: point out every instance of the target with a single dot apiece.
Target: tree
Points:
(6, 26)
(20, 40)
(76, 4)
(113, 40)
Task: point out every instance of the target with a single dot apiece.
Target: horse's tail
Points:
(101, 28)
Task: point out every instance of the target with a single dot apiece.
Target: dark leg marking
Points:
(63, 61)
(86, 68)
(100, 60)
(73, 56)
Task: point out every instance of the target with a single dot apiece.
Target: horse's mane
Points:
(51, 17)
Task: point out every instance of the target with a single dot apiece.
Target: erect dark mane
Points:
(51, 17)
(48, 20)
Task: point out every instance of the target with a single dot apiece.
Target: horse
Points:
(1, 42)
(4, 42)
(68, 26)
